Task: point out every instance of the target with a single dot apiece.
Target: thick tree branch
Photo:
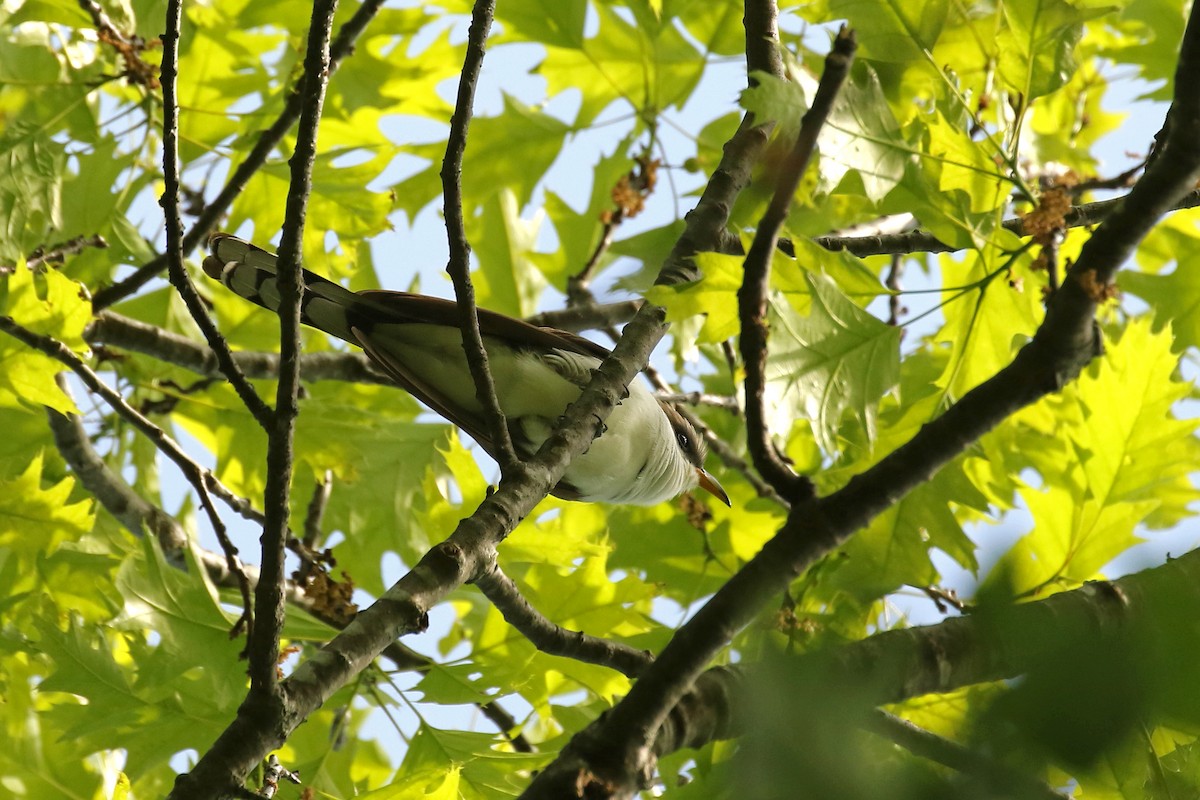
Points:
(1141, 611)
(611, 756)
(760, 19)
(137, 514)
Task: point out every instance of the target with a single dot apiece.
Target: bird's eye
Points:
(683, 440)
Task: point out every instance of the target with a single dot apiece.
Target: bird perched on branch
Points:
(647, 454)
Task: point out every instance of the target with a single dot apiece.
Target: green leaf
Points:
(552, 22)
(1037, 45)
(718, 26)
(379, 457)
(863, 137)
(507, 280)
(426, 784)
(339, 201)
(32, 166)
(85, 666)
(714, 296)
(650, 69)
(513, 149)
(987, 317)
(778, 100)
(1174, 296)
(896, 547)
(838, 358)
(485, 770)
(1131, 466)
(36, 520)
(1146, 35)
(893, 30)
(386, 74)
(965, 166)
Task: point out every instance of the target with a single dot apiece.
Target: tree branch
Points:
(140, 516)
(459, 265)
(588, 316)
(109, 328)
(998, 643)
(137, 514)
(993, 774)
(174, 226)
(269, 600)
(200, 479)
(920, 241)
(552, 638)
(704, 229)
(610, 757)
(752, 297)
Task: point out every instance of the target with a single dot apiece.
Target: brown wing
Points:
(516, 333)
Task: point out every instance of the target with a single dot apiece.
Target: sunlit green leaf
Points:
(36, 519)
(836, 359)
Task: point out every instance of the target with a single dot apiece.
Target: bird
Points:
(647, 454)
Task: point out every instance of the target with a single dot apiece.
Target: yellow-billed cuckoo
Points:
(647, 454)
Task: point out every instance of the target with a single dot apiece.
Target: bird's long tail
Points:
(250, 271)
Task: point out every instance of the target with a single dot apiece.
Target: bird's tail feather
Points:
(250, 271)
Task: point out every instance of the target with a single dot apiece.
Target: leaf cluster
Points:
(116, 662)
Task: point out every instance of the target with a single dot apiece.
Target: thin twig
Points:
(994, 774)
(922, 241)
(629, 199)
(459, 265)
(316, 510)
(722, 401)
(895, 275)
(183, 284)
(507, 725)
(56, 253)
(593, 316)
(174, 225)
(555, 639)
(109, 328)
(270, 603)
(752, 296)
(1122, 180)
